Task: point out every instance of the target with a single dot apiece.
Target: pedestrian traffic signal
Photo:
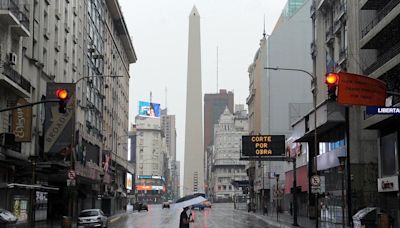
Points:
(62, 95)
(332, 80)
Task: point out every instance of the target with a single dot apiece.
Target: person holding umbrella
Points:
(185, 218)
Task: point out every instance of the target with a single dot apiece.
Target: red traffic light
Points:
(332, 79)
(62, 94)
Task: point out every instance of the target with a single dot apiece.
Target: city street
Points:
(221, 215)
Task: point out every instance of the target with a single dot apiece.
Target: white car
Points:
(7, 217)
(92, 218)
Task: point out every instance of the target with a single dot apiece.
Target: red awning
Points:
(302, 180)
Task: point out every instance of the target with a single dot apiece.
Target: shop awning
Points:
(29, 186)
(302, 179)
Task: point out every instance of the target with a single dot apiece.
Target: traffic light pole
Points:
(29, 105)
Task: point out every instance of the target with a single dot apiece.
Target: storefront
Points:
(387, 127)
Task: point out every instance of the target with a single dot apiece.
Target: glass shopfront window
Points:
(388, 150)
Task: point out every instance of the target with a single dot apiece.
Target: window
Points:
(388, 148)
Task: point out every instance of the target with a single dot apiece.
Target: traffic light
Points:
(62, 95)
(332, 80)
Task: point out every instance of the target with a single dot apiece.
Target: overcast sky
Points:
(159, 31)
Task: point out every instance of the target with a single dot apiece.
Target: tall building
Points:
(226, 168)
(168, 127)
(77, 42)
(151, 164)
(267, 101)
(335, 47)
(214, 106)
(194, 152)
(380, 57)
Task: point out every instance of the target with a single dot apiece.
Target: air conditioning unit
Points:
(12, 58)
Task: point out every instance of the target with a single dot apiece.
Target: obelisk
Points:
(194, 152)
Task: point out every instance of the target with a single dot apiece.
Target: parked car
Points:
(7, 217)
(166, 205)
(92, 218)
(141, 207)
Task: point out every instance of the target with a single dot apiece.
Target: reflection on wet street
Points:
(219, 216)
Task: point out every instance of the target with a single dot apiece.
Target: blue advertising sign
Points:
(372, 110)
(149, 109)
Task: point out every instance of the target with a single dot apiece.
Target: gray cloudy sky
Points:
(159, 30)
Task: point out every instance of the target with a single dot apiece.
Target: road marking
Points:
(115, 219)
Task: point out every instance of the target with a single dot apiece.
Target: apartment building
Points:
(79, 42)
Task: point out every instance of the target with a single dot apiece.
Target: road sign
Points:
(263, 146)
(356, 89)
(71, 174)
(278, 194)
(315, 180)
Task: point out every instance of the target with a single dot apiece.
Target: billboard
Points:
(59, 127)
(149, 109)
(263, 146)
(128, 183)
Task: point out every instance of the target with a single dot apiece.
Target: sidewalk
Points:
(285, 220)
(57, 224)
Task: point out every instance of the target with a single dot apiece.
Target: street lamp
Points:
(342, 163)
(314, 92)
(277, 189)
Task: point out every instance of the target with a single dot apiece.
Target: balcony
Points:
(342, 57)
(380, 15)
(329, 36)
(14, 80)
(340, 12)
(383, 59)
(9, 12)
(313, 48)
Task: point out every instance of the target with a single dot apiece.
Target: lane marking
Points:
(115, 219)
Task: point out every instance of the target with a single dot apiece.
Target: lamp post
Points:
(342, 162)
(277, 189)
(314, 93)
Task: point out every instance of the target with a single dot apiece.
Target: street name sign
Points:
(263, 146)
(372, 110)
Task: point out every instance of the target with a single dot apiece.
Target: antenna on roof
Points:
(264, 34)
(217, 69)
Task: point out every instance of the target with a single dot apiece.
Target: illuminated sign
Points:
(263, 145)
(149, 109)
(128, 183)
(151, 177)
(149, 187)
(371, 110)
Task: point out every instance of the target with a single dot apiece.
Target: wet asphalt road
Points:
(220, 216)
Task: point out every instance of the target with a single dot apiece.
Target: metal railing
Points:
(11, 5)
(392, 52)
(16, 77)
(380, 15)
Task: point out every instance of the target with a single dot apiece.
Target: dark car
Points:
(7, 217)
(141, 207)
(167, 204)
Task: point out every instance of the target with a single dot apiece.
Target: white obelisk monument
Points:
(194, 152)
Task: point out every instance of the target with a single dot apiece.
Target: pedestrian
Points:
(291, 208)
(265, 208)
(185, 218)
